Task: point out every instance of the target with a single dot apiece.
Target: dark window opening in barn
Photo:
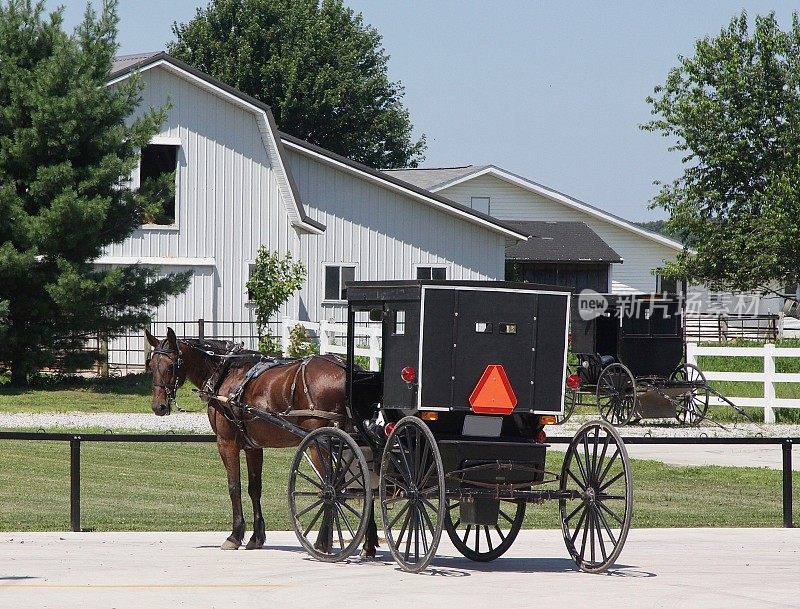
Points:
(437, 273)
(157, 182)
(336, 278)
(666, 284)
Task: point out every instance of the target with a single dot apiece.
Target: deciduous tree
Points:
(316, 63)
(733, 111)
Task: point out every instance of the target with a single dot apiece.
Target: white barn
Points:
(508, 196)
(241, 184)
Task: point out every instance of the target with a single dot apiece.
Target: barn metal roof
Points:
(560, 242)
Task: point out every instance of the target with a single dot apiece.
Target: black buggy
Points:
(631, 352)
(450, 432)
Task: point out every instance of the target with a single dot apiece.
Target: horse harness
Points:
(234, 409)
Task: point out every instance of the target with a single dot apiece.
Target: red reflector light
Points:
(574, 382)
(541, 437)
(408, 374)
(389, 428)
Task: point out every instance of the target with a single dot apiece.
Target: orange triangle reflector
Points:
(493, 393)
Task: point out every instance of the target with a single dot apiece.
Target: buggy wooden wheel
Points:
(330, 495)
(597, 472)
(481, 542)
(412, 494)
(616, 394)
(694, 405)
(570, 401)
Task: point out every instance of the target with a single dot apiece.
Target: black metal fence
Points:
(75, 441)
(720, 328)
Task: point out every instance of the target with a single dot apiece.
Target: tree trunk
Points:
(19, 375)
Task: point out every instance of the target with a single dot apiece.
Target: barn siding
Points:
(227, 200)
(228, 203)
(384, 233)
(510, 202)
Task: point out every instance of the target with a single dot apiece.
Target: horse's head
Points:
(166, 366)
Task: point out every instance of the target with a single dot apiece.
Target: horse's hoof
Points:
(254, 544)
(367, 554)
(230, 545)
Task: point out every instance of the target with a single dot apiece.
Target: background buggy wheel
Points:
(616, 394)
(597, 470)
(570, 401)
(330, 495)
(412, 494)
(481, 542)
(694, 405)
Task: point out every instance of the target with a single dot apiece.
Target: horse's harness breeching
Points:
(232, 406)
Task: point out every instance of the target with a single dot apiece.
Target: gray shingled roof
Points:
(433, 177)
(560, 242)
(125, 61)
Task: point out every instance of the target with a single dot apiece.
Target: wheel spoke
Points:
(607, 527)
(306, 510)
(580, 523)
(608, 466)
(345, 519)
(585, 534)
(599, 533)
(316, 471)
(578, 482)
(612, 481)
(338, 528)
(611, 513)
(399, 514)
(488, 538)
(575, 511)
(466, 534)
(313, 522)
(500, 532)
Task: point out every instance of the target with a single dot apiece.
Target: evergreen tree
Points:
(316, 63)
(66, 154)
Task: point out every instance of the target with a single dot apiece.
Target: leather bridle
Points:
(170, 390)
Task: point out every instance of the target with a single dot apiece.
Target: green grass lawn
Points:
(117, 394)
(182, 487)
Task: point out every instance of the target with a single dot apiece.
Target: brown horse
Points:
(318, 386)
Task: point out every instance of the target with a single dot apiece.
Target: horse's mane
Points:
(243, 358)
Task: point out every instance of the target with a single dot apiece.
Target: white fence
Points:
(768, 377)
(333, 338)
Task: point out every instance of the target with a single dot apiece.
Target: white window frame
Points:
(434, 265)
(163, 140)
(325, 266)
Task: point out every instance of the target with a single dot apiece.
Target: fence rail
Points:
(75, 441)
(769, 377)
(332, 338)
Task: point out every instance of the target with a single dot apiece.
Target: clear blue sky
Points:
(553, 91)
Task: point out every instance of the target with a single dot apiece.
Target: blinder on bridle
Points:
(175, 367)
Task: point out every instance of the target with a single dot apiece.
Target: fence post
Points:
(769, 383)
(324, 337)
(787, 484)
(285, 336)
(201, 328)
(691, 356)
(75, 483)
(374, 350)
(102, 339)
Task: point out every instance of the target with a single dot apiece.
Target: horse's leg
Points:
(371, 537)
(229, 451)
(255, 461)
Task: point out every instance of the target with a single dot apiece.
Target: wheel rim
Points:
(329, 494)
(483, 543)
(570, 401)
(616, 394)
(412, 494)
(597, 470)
(695, 405)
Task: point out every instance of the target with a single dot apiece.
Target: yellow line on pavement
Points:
(249, 585)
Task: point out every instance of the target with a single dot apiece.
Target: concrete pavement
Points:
(672, 568)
